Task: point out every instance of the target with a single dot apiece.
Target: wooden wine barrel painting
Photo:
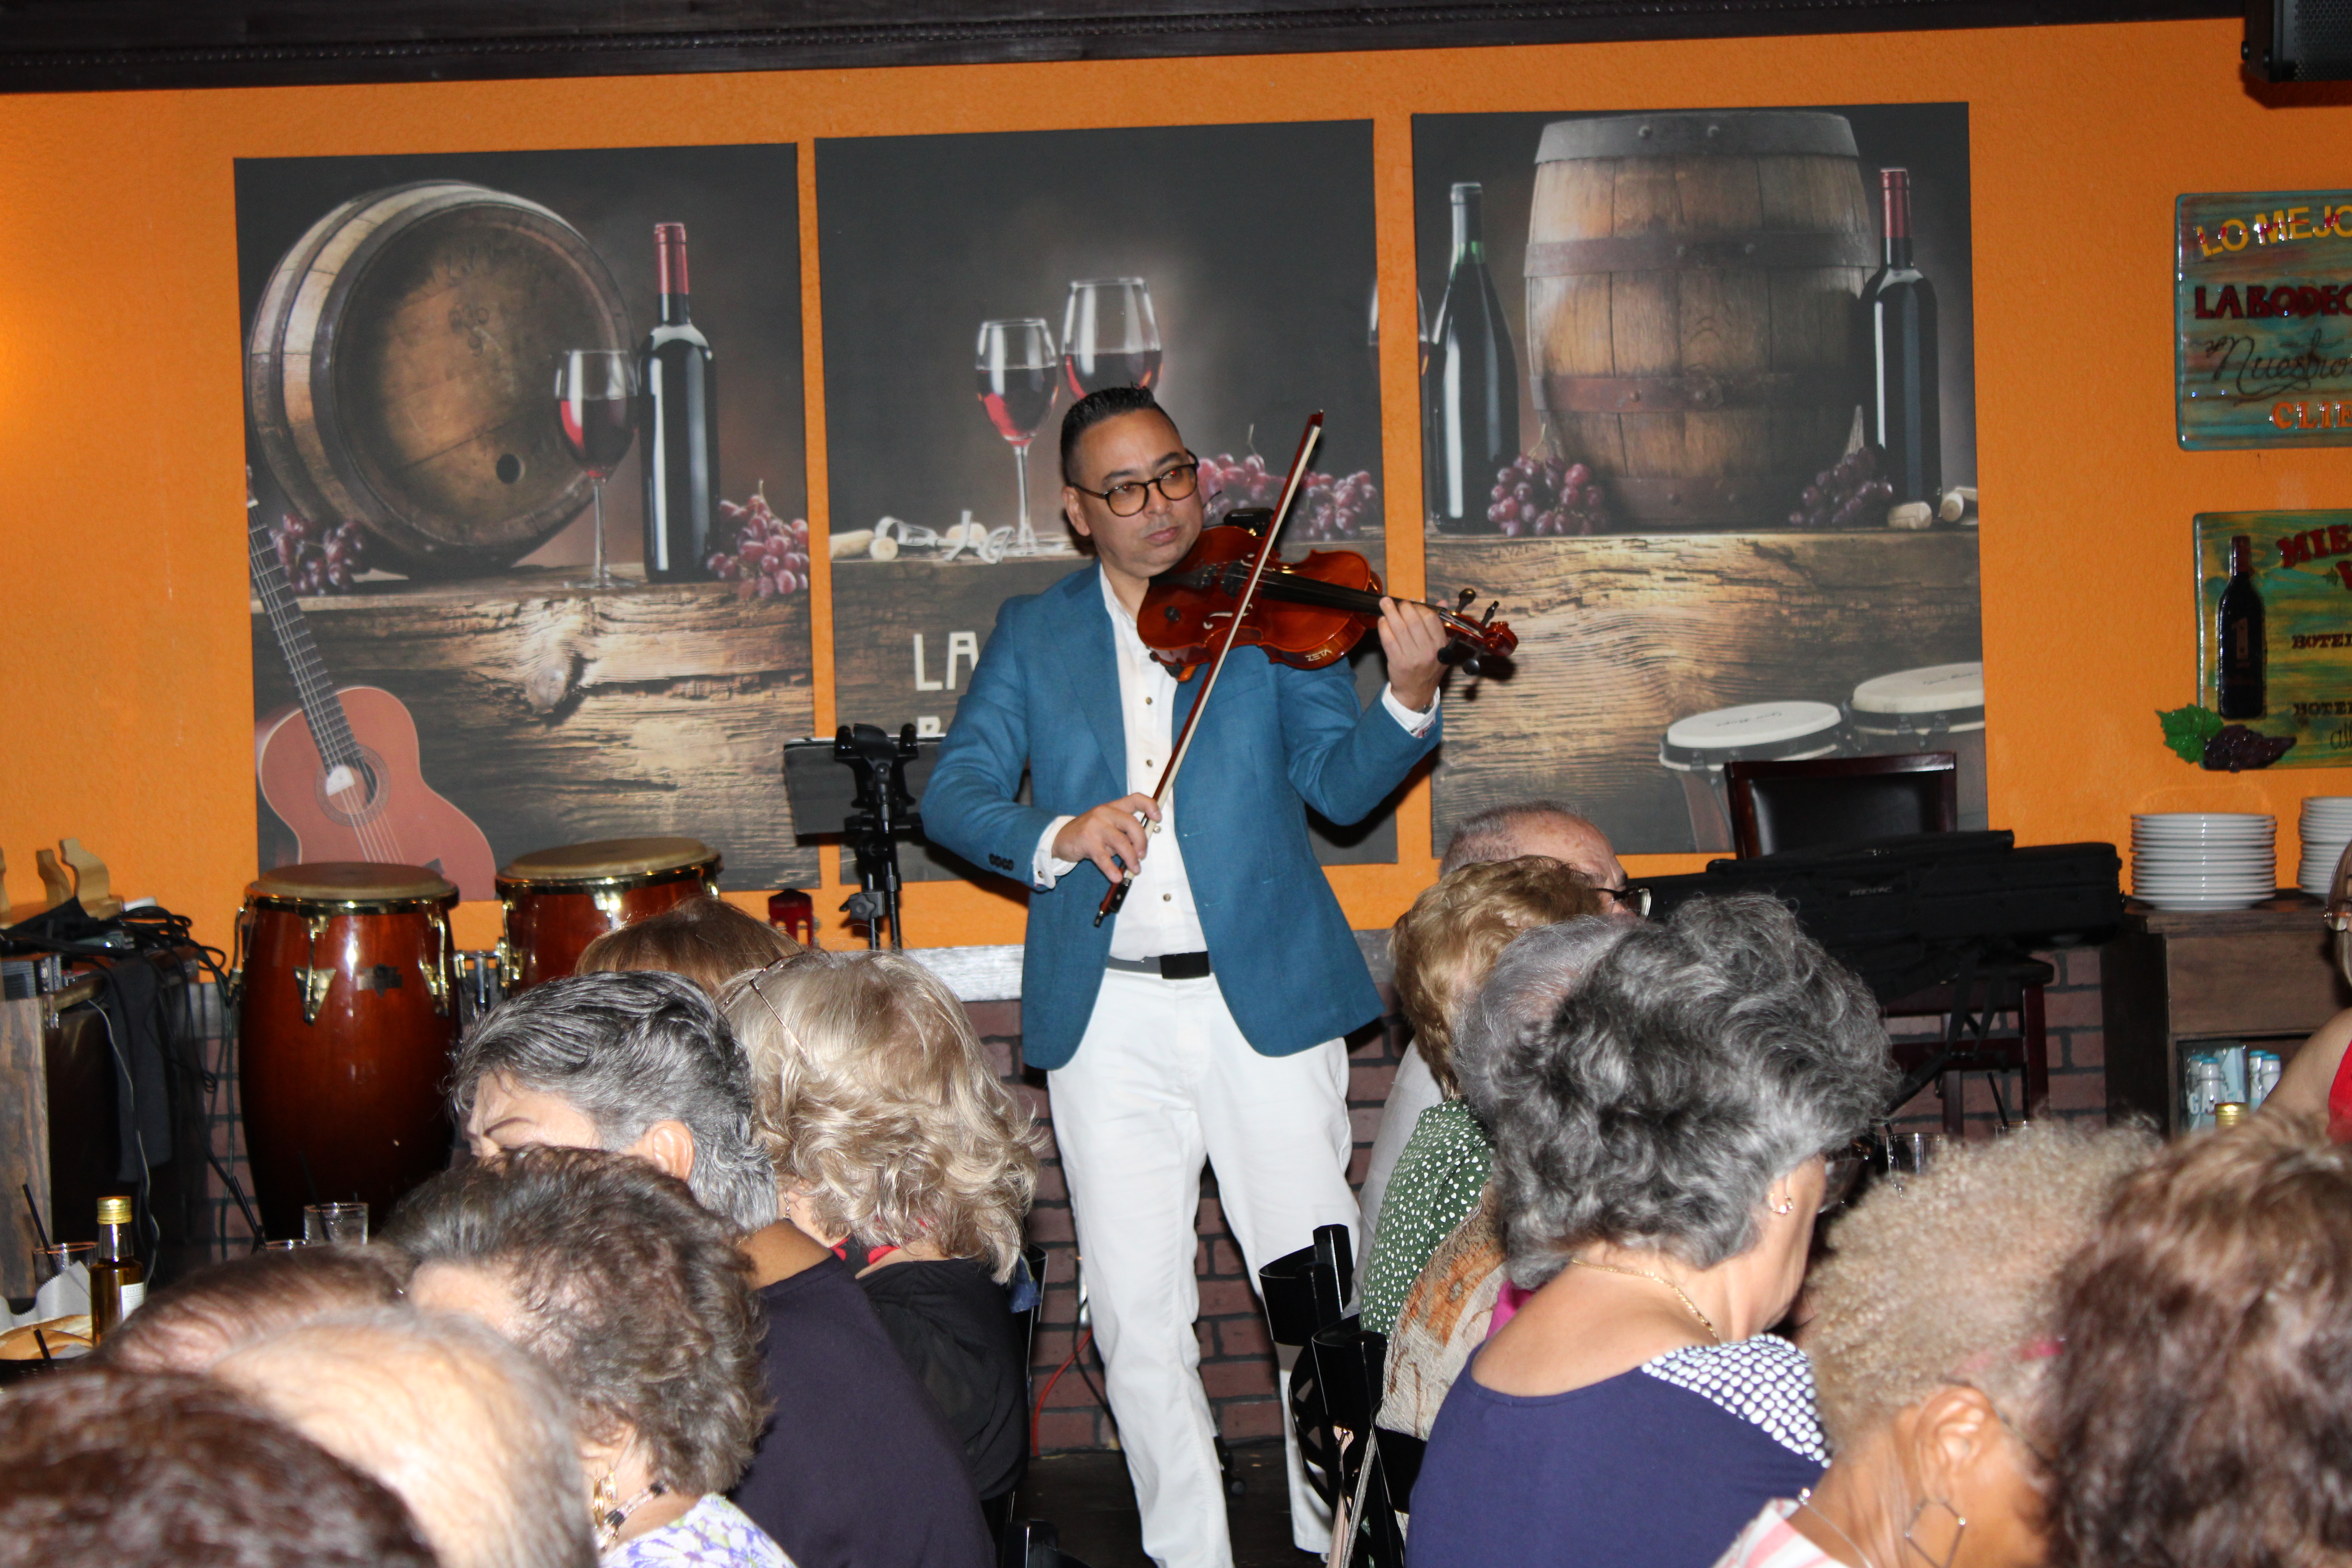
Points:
(1690, 282)
(401, 371)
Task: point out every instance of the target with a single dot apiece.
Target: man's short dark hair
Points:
(195, 1321)
(1094, 409)
(161, 1470)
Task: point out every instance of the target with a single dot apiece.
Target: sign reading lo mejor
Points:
(2263, 304)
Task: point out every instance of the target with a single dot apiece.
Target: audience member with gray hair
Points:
(611, 1273)
(1507, 832)
(638, 1062)
(1658, 1168)
(859, 1469)
(474, 1436)
(1456, 1301)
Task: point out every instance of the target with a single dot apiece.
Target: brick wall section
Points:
(1237, 1357)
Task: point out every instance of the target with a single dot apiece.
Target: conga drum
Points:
(344, 1035)
(559, 900)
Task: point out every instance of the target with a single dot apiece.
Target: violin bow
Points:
(1116, 896)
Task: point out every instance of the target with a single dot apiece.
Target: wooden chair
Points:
(1817, 802)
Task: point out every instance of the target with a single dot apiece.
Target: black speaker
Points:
(2299, 40)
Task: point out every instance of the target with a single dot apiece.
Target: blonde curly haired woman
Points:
(896, 1144)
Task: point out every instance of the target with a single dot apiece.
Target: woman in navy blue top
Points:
(1658, 1143)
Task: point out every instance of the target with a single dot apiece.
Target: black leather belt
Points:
(1167, 965)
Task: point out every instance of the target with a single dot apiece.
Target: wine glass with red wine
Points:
(596, 406)
(1019, 380)
(1109, 336)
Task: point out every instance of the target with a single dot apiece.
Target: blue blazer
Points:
(1274, 741)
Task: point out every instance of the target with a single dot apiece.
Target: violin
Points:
(1306, 613)
(1230, 589)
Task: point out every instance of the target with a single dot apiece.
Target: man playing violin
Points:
(1204, 1022)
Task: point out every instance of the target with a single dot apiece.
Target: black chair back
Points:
(1306, 1290)
(1818, 801)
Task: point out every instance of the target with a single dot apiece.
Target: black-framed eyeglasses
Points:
(1174, 483)
(1632, 898)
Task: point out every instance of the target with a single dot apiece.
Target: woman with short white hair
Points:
(1659, 1145)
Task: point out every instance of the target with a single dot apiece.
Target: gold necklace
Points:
(1805, 1501)
(1704, 1321)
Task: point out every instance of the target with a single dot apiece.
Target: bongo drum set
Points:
(353, 995)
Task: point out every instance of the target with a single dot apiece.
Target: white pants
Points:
(1161, 1080)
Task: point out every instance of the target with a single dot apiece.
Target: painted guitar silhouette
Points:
(339, 768)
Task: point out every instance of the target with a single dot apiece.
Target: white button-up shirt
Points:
(1159, 916)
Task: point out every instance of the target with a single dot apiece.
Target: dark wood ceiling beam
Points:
(52, 46)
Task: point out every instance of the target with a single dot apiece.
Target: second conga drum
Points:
(343, 1034)
(559, 900)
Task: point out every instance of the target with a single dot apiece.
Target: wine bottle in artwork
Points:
(2238, 641)
(681, 427)
(1898, 306)
(1472, 391)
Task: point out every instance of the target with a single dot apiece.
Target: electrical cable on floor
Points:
(1037, 1415)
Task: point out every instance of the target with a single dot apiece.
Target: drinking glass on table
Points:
(323, 1223)
(1018, 385)
(1109, 335)
(596, 407)
(58, 1257)
(1912, 1154)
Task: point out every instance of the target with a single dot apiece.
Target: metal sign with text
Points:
(2262, 301)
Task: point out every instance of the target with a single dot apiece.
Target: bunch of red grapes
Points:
(2234, 748)
(316, 559)
(1326, 509)
(771, 555)
(1537, 496)
(1848, 494)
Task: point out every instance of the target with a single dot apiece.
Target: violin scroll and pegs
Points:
(1464, 600)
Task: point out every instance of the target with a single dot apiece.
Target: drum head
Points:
(606, 858)
(352, 882)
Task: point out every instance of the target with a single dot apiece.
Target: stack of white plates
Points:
(2204, 859)
(2327, 829)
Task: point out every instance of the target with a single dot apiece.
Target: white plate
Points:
(2203, 835)
(2145, 866)
(2215, 818)
(2203, 884)
(2169, 901)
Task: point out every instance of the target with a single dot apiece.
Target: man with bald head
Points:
(1498, 833)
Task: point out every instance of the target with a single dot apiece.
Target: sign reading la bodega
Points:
(2263, 302)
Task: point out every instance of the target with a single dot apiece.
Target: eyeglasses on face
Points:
(1634, 899)
(1176, 482)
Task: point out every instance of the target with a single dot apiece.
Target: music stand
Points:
(875, 815)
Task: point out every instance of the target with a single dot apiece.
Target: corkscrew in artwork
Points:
(1697, 405)
(523, 577)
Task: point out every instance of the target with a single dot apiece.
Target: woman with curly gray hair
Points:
(1658, 1167)
(635, 1295)
(1933, 1335)
(896, 1143)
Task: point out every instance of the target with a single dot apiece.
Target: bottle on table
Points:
(2238, 642)
(1905, 414)
(681, 427)
(118, 1280)
(1472, 396)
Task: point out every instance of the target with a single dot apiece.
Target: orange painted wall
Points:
(125, 694)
